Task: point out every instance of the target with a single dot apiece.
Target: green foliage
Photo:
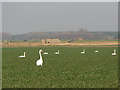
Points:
(70, 69)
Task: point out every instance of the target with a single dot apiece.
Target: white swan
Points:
(96, 51)
(114, 53)
(83, 51)
(58, 52)
(45, 53)
(23, 55)
(40, 61)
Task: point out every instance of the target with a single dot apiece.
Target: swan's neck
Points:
(83, 50)
(40, 55)
(24, 53)
(114, 51)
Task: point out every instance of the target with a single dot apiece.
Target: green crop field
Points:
(69, 69)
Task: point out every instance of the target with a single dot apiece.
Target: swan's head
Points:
(40, 50)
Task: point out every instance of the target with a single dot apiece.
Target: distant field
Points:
(70, 69)
(80, 44)
(19, 41)
(93, 40)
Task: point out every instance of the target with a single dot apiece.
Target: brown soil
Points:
(89, 44)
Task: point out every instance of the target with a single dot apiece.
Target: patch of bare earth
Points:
(90, 44)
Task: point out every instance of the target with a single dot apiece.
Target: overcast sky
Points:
(0, 18)
(24, 17)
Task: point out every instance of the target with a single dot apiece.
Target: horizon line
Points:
(51, 31)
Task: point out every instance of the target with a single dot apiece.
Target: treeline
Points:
(69, 35)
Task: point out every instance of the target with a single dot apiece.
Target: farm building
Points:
(50, 41)
(6, 42)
